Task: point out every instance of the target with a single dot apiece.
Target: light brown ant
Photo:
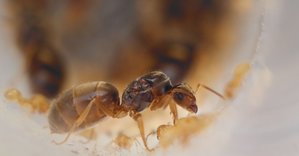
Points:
(86, 104)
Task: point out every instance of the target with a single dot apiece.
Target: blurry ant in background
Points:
(174, 58)
(86, 104)
(186, 27)
(177, 32)
(45, 67)
(172, 38)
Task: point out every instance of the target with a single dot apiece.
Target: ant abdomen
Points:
(68, 107)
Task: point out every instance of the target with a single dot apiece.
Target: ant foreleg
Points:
(174, 111)
(163, 102)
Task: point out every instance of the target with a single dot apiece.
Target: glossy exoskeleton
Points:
(86, 104)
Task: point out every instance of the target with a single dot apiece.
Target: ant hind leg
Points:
(78, 122)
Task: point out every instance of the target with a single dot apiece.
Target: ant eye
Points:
(179, 96)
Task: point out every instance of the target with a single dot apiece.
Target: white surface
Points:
(263, 120)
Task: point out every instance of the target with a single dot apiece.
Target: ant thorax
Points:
(140, 93)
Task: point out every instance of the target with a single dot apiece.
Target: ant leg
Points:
(138, 118)
(156, 104)
(77, 123)
(174, 111)
(161, 102)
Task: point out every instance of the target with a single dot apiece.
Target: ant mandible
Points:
(86, 104)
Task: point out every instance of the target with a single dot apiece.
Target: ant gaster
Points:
(88, 103)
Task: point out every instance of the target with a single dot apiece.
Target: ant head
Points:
(183, 95)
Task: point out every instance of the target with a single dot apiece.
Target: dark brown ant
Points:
(45, 66)
(175, 58)
(46, 70)
(84, 105)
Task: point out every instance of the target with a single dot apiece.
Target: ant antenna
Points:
(204, 86)
(209, 89)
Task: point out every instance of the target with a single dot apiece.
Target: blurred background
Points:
(72, 41)
(48, 46)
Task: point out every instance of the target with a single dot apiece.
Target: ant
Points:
(86, 104)
(44, 64)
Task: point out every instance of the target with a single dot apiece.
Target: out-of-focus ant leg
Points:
(78, 122)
